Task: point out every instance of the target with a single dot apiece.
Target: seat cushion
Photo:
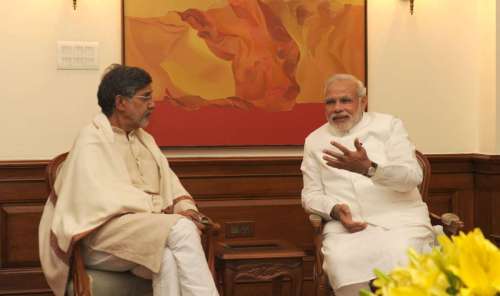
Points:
(115, 283)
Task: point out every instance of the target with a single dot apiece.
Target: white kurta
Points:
(388, 201)
(95, 192)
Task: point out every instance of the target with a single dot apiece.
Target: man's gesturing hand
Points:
(342, 212)
(355, 161)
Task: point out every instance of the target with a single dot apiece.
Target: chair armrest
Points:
(210, 225)
(81, 280)
(451, 222)
(316, 222)
(209, 233)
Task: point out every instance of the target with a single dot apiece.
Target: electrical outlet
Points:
(236, 229)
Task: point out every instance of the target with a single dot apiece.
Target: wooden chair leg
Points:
(277, 282)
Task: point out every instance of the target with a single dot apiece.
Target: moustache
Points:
(145, 116)
(336, 115)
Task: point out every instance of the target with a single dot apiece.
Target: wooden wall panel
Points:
(452, 186)
(22, 181)
(242, 186)
(23, 281)
(240, 178)
(441, 201)
(19, 237)
(454, 201)
(26, 190)
(495, 220)
(487, 193)
(23, 191)
(285, 220)
(262, 191)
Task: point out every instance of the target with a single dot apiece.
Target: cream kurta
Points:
(95, 191)
(388, 200)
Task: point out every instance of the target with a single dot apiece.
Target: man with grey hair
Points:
(361, 176)
(117, 198)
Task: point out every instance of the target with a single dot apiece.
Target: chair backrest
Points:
(52, 170)
(426, 170)
(80, 279)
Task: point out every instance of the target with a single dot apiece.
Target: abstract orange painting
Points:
(242, 72)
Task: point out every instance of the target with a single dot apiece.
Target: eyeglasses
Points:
(144, 98)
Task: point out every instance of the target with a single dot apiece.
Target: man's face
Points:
(343, 107)
(138, 108)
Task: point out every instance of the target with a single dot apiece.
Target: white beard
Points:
(344, 127)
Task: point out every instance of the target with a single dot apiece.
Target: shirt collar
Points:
(120, 131)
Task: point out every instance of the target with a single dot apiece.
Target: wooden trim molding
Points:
(451, 163)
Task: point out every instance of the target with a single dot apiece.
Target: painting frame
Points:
(190, 137)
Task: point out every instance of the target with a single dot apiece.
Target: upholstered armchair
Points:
(83, 281)
(449, 222)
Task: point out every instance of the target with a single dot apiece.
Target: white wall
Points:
(43, 108)
(487, 100)
(426, 69)
(497, 97)
(433, 69)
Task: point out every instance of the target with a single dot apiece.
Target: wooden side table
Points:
(248, 262)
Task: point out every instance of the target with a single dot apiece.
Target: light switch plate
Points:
(77, 55)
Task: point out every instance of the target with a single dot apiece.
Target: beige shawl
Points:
(94, 192)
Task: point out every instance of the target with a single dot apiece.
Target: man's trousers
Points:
(184, 270)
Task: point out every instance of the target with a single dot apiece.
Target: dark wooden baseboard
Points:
(252, 198)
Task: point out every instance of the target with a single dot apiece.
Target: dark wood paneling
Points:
(442, 201)
(487, 164)
(22, 193)
(495, 221)
(23, 189)
(240, 178)
(283, 219)
(264, 191)
(258, 166)
(23, 281)
(19, 237)
(22, 169)
(452, 186)
(22, 181)
(487, 195)
(451, 163)
(243, 186)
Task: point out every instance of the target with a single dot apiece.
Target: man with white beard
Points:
(361, 175)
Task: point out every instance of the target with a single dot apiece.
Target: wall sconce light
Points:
(74, 4)
(411, 6)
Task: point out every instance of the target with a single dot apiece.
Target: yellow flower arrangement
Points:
(465, 265)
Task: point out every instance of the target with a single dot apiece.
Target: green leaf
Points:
(381, 275)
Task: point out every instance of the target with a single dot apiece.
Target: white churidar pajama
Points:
(184, 270)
